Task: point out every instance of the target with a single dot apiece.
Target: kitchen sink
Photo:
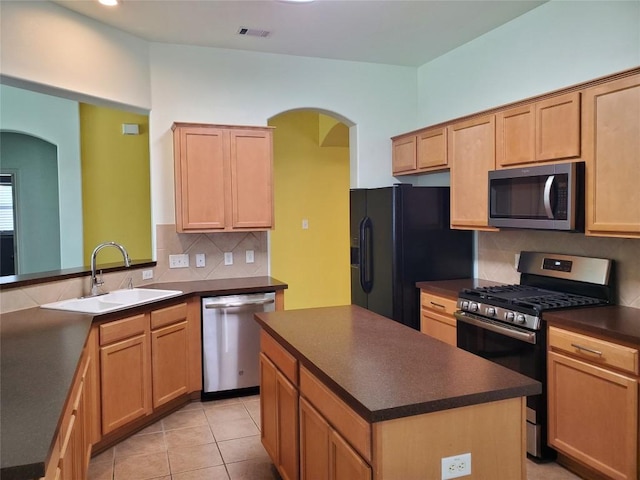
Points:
(109, 302)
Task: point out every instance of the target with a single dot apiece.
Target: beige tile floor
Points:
(218, 440)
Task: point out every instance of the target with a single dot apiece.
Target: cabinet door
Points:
(169, 363)
(279, 419)
(558, 127)
(344, 462)
(471, 156)
(611, 148)
(268, 407)
(200, 173)
(125, 382)
(432, 149)
(515, 136)
(251, 161)
(288, 448)
(593, 416)
(314, 443)
(404, 155)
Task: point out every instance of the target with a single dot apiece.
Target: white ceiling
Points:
(394, 32)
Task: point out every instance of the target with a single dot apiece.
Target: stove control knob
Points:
(510, 316)
(465, 305)
(491, 312)
(520, 319)
(473, 306)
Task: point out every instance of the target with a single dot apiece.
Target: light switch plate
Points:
(228, 258)
(147, 274)
(250, 258)
(200, 260)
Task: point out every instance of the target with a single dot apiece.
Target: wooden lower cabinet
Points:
(323, 451)
(436, 317)
(72, 449)
(279, 418)
(593, 410)
(169, 353)
(125, 372)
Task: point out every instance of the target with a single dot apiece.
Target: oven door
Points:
(517, 349)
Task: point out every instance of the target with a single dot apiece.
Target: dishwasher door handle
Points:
(262, 301)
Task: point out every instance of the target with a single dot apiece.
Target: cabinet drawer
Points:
(342, 418)
(285, 362)
(437, 303)
(595, 350)
(167, 316)
(121, 329)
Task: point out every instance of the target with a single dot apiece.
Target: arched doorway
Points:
(309, 246)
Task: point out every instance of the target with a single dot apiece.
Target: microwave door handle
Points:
(547, 196)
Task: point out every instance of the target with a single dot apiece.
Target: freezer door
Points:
(357, 213)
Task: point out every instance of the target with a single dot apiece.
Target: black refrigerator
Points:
(400, 235)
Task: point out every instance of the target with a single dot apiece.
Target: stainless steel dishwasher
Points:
(231, 343)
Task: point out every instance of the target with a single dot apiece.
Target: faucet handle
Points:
(130, 283)
(99, 280)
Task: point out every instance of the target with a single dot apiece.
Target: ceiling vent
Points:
(253, 32)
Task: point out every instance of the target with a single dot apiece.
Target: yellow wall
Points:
(311, 182)
(116, 192)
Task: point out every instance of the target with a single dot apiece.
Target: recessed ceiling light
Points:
(109, 3)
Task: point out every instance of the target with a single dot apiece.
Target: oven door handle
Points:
(525, 336)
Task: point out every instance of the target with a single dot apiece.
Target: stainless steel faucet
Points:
(95, 281)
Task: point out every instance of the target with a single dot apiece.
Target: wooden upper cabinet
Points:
(471, 155)
(251, 178)
(421, 152)
(404, 153)
(223, 177)
(432, 149)
(611, 150)
(546, 130)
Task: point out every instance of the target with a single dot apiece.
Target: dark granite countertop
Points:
(39, 354)
(615, 323)
(385, 370)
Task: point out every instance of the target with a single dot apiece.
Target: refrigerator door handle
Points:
(366, 256)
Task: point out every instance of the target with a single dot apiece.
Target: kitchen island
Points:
(347, 391)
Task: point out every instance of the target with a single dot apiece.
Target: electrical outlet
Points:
(249, 256)
(179, 261)
(200, 260)
(228, 258)
(147, 274)
(456, 466)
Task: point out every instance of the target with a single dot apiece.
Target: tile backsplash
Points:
(168, 242)
(497, 251)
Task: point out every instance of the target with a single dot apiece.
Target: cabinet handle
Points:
(437, 305)
(590, 350)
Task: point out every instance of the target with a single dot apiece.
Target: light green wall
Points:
(311, 182)
(115, 183)
(54, 120)
(35, 165)
(558, 44)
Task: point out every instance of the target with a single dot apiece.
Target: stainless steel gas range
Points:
(505, 323)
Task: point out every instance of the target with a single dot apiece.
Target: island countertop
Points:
(384, 370)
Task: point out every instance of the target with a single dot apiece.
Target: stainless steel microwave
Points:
(546, 197)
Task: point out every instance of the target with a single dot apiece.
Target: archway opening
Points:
(309, 246)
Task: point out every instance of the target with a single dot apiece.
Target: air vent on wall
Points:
(253, 32)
